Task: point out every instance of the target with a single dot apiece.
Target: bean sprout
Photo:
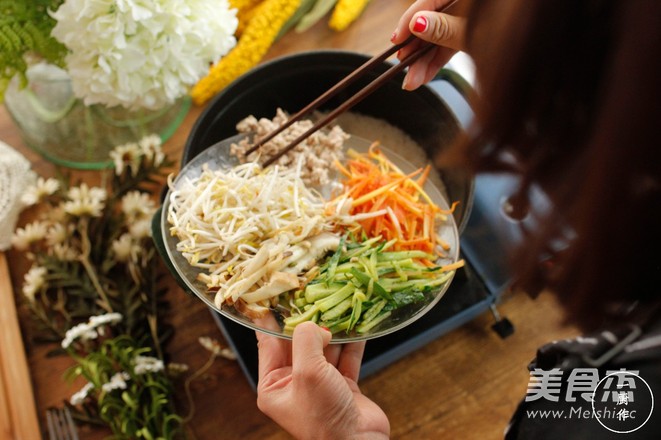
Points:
(224, 217)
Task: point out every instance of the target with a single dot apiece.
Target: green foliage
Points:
(143, 409)
(95, 280)
(85, 275)
(25, 27)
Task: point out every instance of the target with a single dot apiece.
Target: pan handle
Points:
(455, 91)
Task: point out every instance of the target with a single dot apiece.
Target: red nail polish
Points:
(420, 24)
(325, 328)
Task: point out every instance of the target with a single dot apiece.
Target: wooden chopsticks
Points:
(355, 99)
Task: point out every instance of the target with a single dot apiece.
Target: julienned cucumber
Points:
(361, 284)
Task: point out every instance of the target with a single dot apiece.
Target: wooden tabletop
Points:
(465, 385)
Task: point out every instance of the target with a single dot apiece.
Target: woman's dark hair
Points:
(571, 91)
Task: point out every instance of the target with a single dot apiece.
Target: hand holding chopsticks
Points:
(415, 55)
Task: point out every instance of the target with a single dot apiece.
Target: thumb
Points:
(308, 343)
(440, 29)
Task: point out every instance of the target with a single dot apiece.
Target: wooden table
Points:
(464, 385)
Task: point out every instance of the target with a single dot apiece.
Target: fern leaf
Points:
(25, 28)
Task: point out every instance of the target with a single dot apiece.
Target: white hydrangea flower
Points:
(117, 382)
(137, 205)
(31, 233)
(142, 53)
(147, 364)
(129, 155)
(79, 397)
(33, 281)
(84, 200)
(42, 188)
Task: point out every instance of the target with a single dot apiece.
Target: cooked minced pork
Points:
(319, 150)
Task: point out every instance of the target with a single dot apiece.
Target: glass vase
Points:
(67, 132)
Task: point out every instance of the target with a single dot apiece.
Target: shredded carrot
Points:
(372, 183)
(423, 178)
(451, 210)
(342, 169)
(453, 266)
(382, 189)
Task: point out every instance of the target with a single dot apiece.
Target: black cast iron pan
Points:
(293, 81)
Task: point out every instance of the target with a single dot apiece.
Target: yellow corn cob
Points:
(255, 41)
(242, 5)
(246, 10)
(345, 13)
(244, 18)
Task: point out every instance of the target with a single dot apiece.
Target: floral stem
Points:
(86, 247)
(189, 396)
(153, 328)
(45, 320)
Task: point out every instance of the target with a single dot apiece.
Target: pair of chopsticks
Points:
(355, 99)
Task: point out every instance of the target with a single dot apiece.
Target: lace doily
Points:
(15, 177)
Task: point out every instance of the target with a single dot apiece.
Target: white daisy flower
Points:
(122, 248)
(33, 281)
(42, 188)
(57, 234)
(215, 348)
(88, 330)
(210, 344)
(151, 148)
(84, 201)
(147, 364)
(140, 229)
(79, 397)
(24, 237)
(127, 155)
(107, 318)
(117, 382)
(136, 204)
(83, 331)
(64, 252)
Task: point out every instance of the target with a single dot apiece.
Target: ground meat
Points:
(319, 150)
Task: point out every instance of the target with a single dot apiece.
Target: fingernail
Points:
(420, 24)
(325, 328)
(393, 36)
